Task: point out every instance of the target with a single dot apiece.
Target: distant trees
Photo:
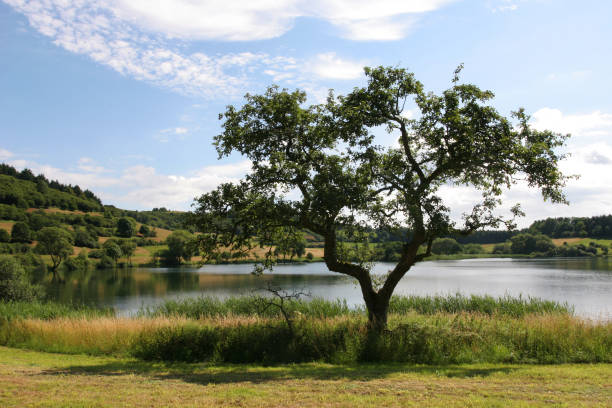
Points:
(24, 190)
(112, 250)
(128, 247)
(21, 233)
(182, 245)
(57, 243)
(528, 243)
(445, 246)
(14, 283)
(82, 238)
(564, 227)
(125, 228)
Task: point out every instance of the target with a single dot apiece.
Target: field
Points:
(52, 380)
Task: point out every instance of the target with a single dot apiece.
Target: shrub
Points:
(445, 246)
(14, 283)
(21, 233)
(106, 262)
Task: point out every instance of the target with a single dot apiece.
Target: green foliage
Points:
(21, 233)
(106, 262)
(77, 263)
(82, 238)
(24, 193)
(125, 227)
(182, 245)
(14, 282)
(528, 243)
(128, 247)
(446, 246)
(4, 235)
(55, 242)
(112, 250)
(564, 227)
(473, 249)
(502, 248)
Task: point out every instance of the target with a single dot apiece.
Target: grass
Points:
(48, 311)
(207, 307)
(53, 380)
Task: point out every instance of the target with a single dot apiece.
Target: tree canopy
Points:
(57, 243)
(320, 168)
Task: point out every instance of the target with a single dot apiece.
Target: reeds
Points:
(201, 307)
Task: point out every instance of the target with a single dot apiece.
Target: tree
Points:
(57, 243)
(125, 228)
(128, 247)
(14, 283)
(82, 238)
(181, 245)
(112, 250)
(327, 153)
(144, 230)
(445, 246)
(21, 233)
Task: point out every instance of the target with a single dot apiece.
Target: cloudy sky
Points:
(122, 96)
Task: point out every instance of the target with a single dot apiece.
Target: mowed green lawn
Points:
(30, 378)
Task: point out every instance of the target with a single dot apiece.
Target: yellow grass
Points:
(59, 210)
(7, 225)
(570, 241)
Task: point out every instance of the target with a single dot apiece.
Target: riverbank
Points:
(55, 380)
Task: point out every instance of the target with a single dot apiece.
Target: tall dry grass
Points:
(440, 338)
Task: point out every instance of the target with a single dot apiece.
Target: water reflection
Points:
(585, 283)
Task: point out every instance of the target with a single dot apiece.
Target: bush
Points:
(4, 235)
(445, 246)
(77, 263)
(14, 283)
(473, 249)
(21, 233)
(106, 262)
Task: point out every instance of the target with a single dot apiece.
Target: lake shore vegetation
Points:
(425, 330)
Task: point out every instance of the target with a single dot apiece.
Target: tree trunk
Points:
(378, 310)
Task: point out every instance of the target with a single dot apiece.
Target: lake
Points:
(585, 283)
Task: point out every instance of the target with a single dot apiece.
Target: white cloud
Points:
(138, 37)
(237, 20)
(596, 123)
(330, 66)
(88, 165)
(5, 154)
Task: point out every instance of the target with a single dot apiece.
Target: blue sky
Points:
(122, 96)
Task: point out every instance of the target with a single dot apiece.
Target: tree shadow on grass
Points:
(224, 374)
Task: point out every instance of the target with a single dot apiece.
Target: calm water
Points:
(584, 283)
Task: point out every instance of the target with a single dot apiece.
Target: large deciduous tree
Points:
(319, 168)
